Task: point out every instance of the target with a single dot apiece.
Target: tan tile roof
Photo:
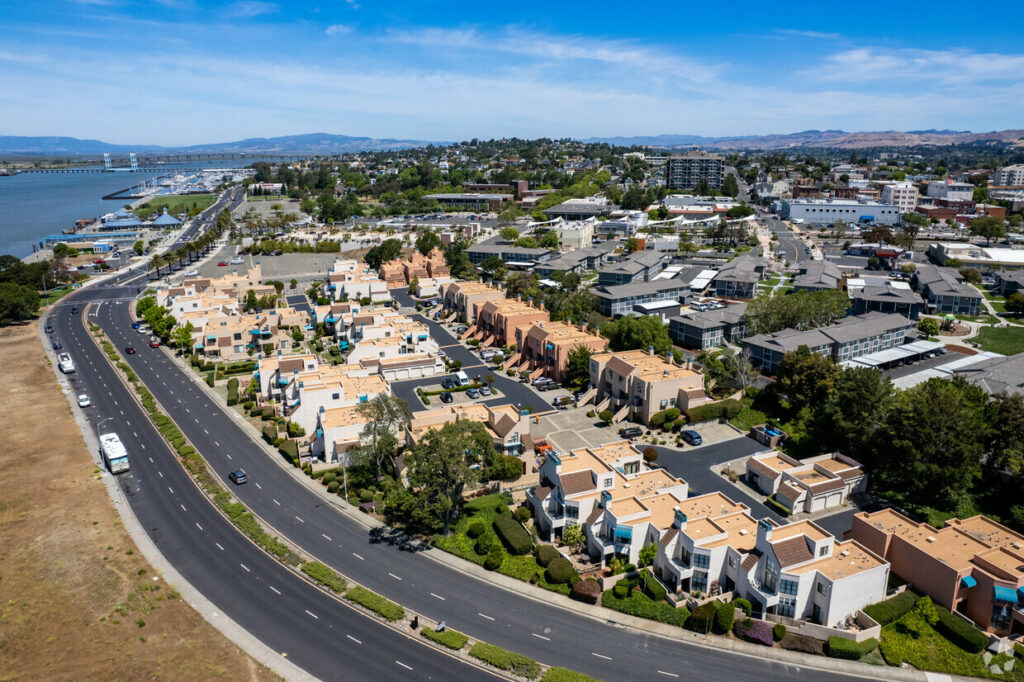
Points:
(792, 551)
(577, 482)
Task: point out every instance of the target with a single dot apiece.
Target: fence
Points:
(866, 628)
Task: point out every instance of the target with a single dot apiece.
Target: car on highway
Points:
(238, 476)
(154, 342)
(129, 349)
(83, 401)
(692, 437)
(74, 310)
(631, 432)
(192, 273)
(485, 390)
(57, 345)
(473, 393)
(222, 264)
(446, 397)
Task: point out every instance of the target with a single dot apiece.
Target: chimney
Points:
(668, 357)
(764, 532)
(678, 518)
(583, 327)
(606, 499)
(650, 351)
(519, 297)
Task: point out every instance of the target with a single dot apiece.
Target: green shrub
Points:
(329, 476)
(209, 379)
(621, 589)
(512, 533)
(725, 616)
(558, 674)
(365, 496)
(840, 647)
(267, 413)
(333, 486)
(723, 409)
(654, 590)
(559, 571)
(742, 604)
(289, 448)
(891, 610)
(232, 391)
(590, 413)
(777, 506)
(494, 559)
(505, 660)
(960, 632)
(484, 544)
(475, 528)
(702, 618)
(501, 509)
(523, 514)
(778, 631)
(606, 416)
(1018, 649)
(453, 639)
(324, 575)
(586, 591)
(546, 554)
(639, 605)
(376, 603)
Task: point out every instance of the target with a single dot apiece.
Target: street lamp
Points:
(98, 425)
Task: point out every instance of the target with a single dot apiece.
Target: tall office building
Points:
(685, 171)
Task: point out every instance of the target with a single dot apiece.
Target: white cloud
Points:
(337, 30)
(252, 8)
(957, 66)
(807, 34)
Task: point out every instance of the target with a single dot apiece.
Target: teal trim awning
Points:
(1004, 593)
(968, 581)
(199, 346)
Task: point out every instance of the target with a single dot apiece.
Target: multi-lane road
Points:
(323, 636)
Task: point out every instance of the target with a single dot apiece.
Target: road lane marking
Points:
(198, 526)
(245, 567)
(229, 456)
(299, 519)
(274, 589)
(662, 672)
(546, 639)
(403, 664)
(276, 502)
(484, 615)
(353, 639)
(318, 617)
(437, 596)
(171, 489)
(183, 508)
(259, 486)
(394, 576)
(160, 474)
(216, 443)
(607, 658)
(206, 432)
(150, 460)
(326, 537)
(357, 556)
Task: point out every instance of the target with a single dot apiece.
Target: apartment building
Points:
(973, 566)
(817, 275)
(309, 391)
(507, 428)
(852, 337)
(241, 336)
(337, 432)
(428, 287)
(638, 384)
(797, 570)
(498, 320)
(512, 256)
(623, 299)
(827, 211)
(886, 299)
(463, 299)
(575, 234)
(810, 485)
(945, 291)
(352, 280)
(1009, 176)
(902, 194)
(709, 329)
(738, 278)
(544, 347)
(639, 266)
(579, 261)
(688, 170)
(951, 190)
(402, 271)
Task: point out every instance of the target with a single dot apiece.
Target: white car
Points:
(192, 273)
(83, 401)
(237, 260)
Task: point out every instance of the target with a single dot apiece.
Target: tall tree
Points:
(806, 379)
(857, 409)
(183, 336)
(386, 419)
(438, 471)
(427, 241)
(643, 332)
(730, 186)
(988, 227)
(578, 366)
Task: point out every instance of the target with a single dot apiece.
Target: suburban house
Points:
(507, 427)
(544, 347)
(638, 384)
(945, 291)
(711, 328)
(850, 338)
(810, 485)
(973, 566)
(463, 299)
(738, 278)
(498, 320)
(817, 275)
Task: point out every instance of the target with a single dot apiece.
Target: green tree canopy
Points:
(387, 250)
(805, 378)
(439, 471)
(509, 234)
(386, 418)
(578, 366)
(638, 332)
(17, 302)
(802, 310)
(988, 227)
(427, 241)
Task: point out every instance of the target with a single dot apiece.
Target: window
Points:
(664, 403)
(786, 607)
(771, 578)
(335, 396)
(788, 586)
(572, 512)
(1000, 616)
(823, 551)
(821, 588)
(684, 556)
(699, 582)
(701, 560)
(732, 562)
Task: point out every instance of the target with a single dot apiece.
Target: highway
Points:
(293, 617)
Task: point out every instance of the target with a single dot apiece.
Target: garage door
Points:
(835, 500)
(817, 504)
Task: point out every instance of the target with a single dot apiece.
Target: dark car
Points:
(631, 432)
(49, 328)
(547, 386)
(446, 397)
(74, 310)
(56, 345)
(473, 393)
(447, 382)
(129, 349)
(238, 476)
(692, 437)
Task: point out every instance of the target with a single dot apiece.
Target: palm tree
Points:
(156, 262)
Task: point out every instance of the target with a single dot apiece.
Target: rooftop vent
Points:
(930, 538)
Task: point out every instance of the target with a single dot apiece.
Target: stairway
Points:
(513, 360)
(621, 414)
(536, 373)
(587, 396)
(603, 405)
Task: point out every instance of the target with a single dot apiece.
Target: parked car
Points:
(192, 273)
(49, 328)
(136, 325)
(563, 401)
(942, 350)
(473, 393)
(692, 437)
(237, 260)
(83, 401)
(446, 397)
(485, 390)
(222, 264)
(57, 345)
(447, 383)
(238, 476)
(460, 329)
(548, 386)
(631, 432)
(541, 380)
(154, 342)
(129, 349)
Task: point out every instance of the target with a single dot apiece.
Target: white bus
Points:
(115, 456)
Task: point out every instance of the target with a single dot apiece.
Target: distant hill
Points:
(834, 139)
(311, 143)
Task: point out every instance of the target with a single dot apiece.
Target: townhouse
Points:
(945, 291)
(852, 337)
(817, 275)
(241, 336)
(638, 384)
(578, 261)
(275, 372)
(498, 320)
(337, 433)
(309, 392)
(509, 430)
(625, 299)
(352, 280)
(738, 278)
(973, 566)
(463, 299)
(1010, 282)
(640, 266)
(811, 485)
(544, 347)
(709, 329)
(402, 271)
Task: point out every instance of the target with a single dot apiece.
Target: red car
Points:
(154, 342)
(129, 349)
(99, 261)
(223, 263)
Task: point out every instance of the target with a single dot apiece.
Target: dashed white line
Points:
(357, 556)
(318, 618)
(229, 456)
(394, 576)
(437, 596)
(484, 615)
(662, 672)
(216, 443)
(206, 432)
(353, 639)
(276, 502)
(198, 526)
(299, 519)
(274, 589)
(259, 486)
(607, 658)
(171, 489)
(135, 433)
(150, 460)
(546, 639)
(326, 537)
(183, 508)
(160, 474)
(245, 567)
(403, 664)
(143, 447)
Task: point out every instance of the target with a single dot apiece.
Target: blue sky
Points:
(189, 72)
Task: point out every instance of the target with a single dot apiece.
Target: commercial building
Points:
(710, 329)
(1009, 176)
(574, 234)
(469, 201)
(850, 338)
(639, 266)
(827, 211)
(983, 257)
(580, 209)
(902, 194)
(739, 277)
(688, 170)
(638, 384)
(945, 291)
(806, 486)
(951, 190)
(973, 566)
(817, 275)
(615, 301)
(512, 256)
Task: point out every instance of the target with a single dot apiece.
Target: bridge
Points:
(136, 163)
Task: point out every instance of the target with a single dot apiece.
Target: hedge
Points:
(642, 607)
(621, 589)
(506, 660)
(232, 391)
(586, 591)
(960, 632)
(840, 647)
(453, 639)
(324, 575)
(270, 433)
(702, 618)
(385, 608)
(654, 590)
(726, 409)
(475, 528)
(742, 603)
(777, 506)
(209, 379)
(559, 571)
(484, 544)
(546, 554)
(724, 618)
(891, 610)
(289, 448)
(558, 674)
(512, 533)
